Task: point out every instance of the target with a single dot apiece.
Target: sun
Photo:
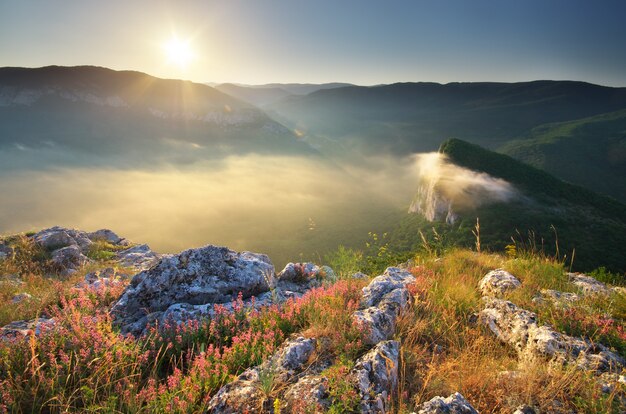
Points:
(178, 52)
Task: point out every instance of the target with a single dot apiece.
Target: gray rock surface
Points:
(5, 251)
(21, 329)
(454, 404)
(498, 282)
(391, 279)
(375, 375)
(54, 238)
(519, 328)
(558, 298)
(139, 257)
(21, 297)
(202, 276)
(588, 285)
(246, 392)
(382, 302)
(106, 235)
(69, 257)
(308, 395)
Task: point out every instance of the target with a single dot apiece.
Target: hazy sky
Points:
(359, 41)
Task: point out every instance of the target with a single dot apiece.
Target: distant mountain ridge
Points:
(549, 213)
(55, 111)
(270, 93)
(405, 118)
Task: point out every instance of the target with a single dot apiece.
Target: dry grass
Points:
(444, 352)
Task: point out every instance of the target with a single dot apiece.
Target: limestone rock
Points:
(206, 275)
(21, 329)
(588, 285)
(383, 300)
(54, 238)
(391, 279)
(245, 393)
(139, 257)
(240, 396)
(519, 328)
(301, 277)
(497, 282)
(524, 409)
(454, 404)
(21, 297)
(376, 377)
(5, 251)
(69, 257)
(560, 299)
(308, 395)
(106, 235)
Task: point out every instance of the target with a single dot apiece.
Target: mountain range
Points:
(364, 137)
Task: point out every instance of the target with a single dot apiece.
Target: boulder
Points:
(301, 277)
(308, 395)
(5, 251)
(524, 409)
(519, 328)
(557, 298)
(106, 235)
(383, 300)
(245, 393)
(21, 297)
(454, 404)
(498, 282)
(391, 279)
(201, 276)
(375, 375)
(588, 285)
(54, 238)
(139, 257)
(69, 257)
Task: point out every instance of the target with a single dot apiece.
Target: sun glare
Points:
(178, 52)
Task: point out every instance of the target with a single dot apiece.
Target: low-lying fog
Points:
(287, 207)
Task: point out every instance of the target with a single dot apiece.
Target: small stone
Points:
(454, 404)
(21, 297)
(524, 409)
(498, 282)
(104, 234)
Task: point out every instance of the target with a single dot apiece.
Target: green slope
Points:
(591, 224)
(590, 152)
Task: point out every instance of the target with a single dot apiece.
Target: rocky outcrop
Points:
(139, 257)
(432, 204)
(195, 277)
(498, 282)
(454, 404)
(69, 249)
(382, 302)
(297, 278)
(520, 329)
(247, 393)
(376, 377)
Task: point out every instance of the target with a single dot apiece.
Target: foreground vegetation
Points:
(84, 365)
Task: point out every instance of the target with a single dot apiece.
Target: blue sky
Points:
(364, 42)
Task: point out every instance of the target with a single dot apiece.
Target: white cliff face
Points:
(444, 189)
(431, 204)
